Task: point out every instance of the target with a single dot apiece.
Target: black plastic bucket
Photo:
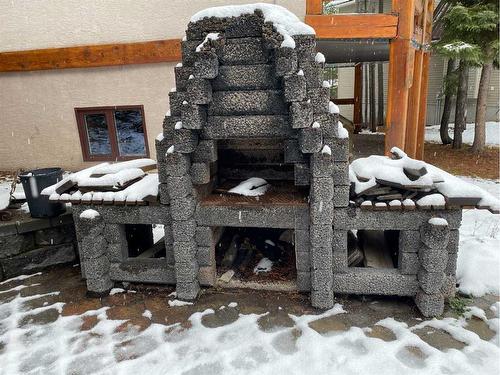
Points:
(33, 183)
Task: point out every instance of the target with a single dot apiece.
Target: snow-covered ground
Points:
(240, 347)
(492, 133)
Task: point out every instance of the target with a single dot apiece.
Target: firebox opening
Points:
(145, 240)
(259, 255)
(373, 248)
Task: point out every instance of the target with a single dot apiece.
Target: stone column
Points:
(94, 252)
(433, 257)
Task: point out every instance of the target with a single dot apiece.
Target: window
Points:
(112, 133)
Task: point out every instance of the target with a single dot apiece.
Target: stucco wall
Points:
(37, 120)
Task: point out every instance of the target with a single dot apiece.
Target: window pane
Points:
(130, 132)
(97, 134)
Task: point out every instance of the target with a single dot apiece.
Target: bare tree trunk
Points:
(461, 107)
(373, 118)
(445, 118)
(482, 96)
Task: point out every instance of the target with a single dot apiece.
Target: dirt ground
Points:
(463, 162)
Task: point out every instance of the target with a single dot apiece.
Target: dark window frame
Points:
(108, 111)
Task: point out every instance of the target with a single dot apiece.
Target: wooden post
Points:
(401, 58)
(314, 6)
(357, 117)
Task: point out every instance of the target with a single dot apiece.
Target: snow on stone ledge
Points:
(285, 22)
(89, 214)
(438, 221)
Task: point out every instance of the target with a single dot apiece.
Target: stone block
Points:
(302, 240)
(294, 87)
(16, 244)
(93, 247)
(244, 51)
(183, 208)
(449, 287)
(341, 195)
(339, 241)
(185, 251)
(305, 45)
(205, 255)
(303, 281)
(408, 263)
(322, 258)
(322, 299)
(169, 123)
(185, 141)
(37, 259)
(186, 271)
(199, 91)
(204, 236)
(99, 287)
(339, 261)
(187, 291)
(97, 268)
(435, 236)
(409, 241)
(430, 305)
(301, 220)
(430, 282)
(206, 65)
(340, 148)
(194, 116)
(248, 126)
(322, 279)
(292, 153)
(310, 140)
(286, 61)
(453, 241)
(301, 174)
(313, 73)
(164, 196)
(451, 265)
(207, 276)
(303, 261)
(200, 173)
(301, 114)
(321, 212)
(182, 74)
(176, 98)
(321, 236)
(371, 281)
(340, 173)
(245, 77)
(321, 165)
(177, 164)
(206, 152)
(184, 231)
(252, 102)
(116, 252)
(54, 236)
(322, 189)
(249, 24)
(329, 124)
(432, 260)
(179, 187)
(320, 99)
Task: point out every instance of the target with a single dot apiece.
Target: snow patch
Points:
(333, 108)
(208, 38)
(319, 58)
(253, 187)
(264, 265)
(89, 214)
(438, 221)
(114, 291)
(326, 150)
(178, 303)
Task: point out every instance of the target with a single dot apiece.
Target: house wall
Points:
(37, 120)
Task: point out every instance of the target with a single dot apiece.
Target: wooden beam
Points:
(354, 26)
(422, 117)
(314, 6)
(401, 60)
(91, 56)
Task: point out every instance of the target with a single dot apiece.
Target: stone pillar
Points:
(433, 257)
(94, 255)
